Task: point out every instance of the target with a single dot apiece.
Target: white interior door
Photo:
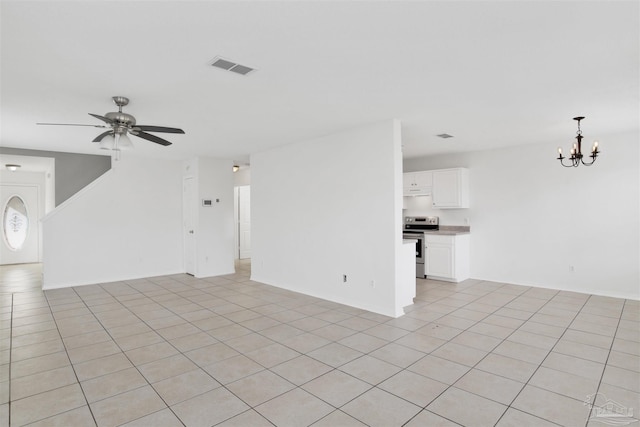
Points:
(244, 221)
(189, 220)
(20, 226)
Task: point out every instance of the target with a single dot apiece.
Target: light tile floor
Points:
(226, 351)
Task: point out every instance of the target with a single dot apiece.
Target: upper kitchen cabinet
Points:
(450, 188)
(417, 183)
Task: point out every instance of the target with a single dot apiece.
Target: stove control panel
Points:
(427, 220)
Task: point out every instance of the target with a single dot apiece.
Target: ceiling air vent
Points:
(231, 66)
(444, 135)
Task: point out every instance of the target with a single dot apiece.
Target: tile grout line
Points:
(506, 338)
(258, 332)
(379, 323)
(476, 364)
(424, 408)
(296, 386)
(250, 407)
(542, 361)
(59, 336)
(591, 409)
(177, 349)
(125, 354)
(192, 287)
(55, 321)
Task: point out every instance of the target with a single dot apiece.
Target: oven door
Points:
(419, 245)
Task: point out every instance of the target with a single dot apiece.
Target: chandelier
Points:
(576, 152)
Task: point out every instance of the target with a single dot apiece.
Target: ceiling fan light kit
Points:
(576, 151)
(124, 143)
(120, 125)
(108, 142)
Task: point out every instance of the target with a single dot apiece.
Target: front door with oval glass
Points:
(20, 240)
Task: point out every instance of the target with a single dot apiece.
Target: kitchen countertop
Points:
(450, 230)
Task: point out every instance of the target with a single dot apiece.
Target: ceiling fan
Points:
(120, 124)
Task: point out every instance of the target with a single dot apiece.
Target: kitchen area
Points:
(441, 250)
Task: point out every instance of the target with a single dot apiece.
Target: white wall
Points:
(124, 225)
(214, 227)
(531, 219)
(328, 207)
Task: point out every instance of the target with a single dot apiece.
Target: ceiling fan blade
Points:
(104, 119)
(102, 135)
(158, 129)
(71, 124)
(153, 138)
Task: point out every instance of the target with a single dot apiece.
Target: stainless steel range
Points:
(414, 228)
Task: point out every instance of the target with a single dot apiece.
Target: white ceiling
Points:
(492, 74)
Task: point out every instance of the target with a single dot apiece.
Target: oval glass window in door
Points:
(15, 223)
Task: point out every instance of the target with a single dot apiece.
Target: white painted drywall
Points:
(124, 225)
(214, 227)
(531, 219)
(330, 207)
(406, 292)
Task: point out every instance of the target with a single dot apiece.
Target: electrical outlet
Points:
(372, 283)
(344, 278)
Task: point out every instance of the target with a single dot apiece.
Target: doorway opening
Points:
(27, 194)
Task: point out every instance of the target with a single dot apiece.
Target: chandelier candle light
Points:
(576, 152)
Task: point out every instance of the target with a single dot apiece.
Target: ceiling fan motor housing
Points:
(121, 119)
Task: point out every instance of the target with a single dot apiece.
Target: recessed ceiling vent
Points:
(444, 135)
(225, 64)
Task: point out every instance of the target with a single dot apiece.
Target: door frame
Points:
(38, 171)
(189, 208)
(35, 216)
(236, 214)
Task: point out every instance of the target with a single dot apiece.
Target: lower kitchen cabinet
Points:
(447, 257)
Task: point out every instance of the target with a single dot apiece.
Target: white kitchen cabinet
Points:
(417, 183)
(450, 188)
(447, 257)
